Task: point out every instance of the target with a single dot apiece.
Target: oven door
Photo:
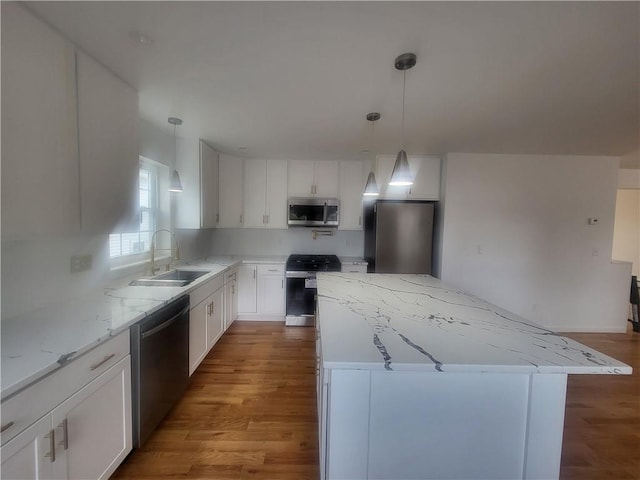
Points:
(301, 299)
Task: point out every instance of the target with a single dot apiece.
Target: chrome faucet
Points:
(153, 269)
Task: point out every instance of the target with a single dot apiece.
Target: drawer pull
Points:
(273, 269)
(52, 446)
(103, 361)
(6, 426)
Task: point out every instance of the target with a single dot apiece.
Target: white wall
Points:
(252, 241)
(516, 234)
(36, 270)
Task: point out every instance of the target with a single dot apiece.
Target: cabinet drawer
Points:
(28, 405)
(230, 276)
(202, 292)
(276, 269)
(346, 268)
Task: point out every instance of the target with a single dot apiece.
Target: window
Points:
(152, 217)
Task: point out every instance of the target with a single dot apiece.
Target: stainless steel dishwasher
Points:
(160, 366)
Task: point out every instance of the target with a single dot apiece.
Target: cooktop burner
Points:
(313, 263)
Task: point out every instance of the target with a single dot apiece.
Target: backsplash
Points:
(36, 270)
(284, 242)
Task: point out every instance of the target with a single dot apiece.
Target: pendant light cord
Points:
(175, 147)
(404, 86)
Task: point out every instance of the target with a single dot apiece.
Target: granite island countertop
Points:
(418, 323)
(36, 343)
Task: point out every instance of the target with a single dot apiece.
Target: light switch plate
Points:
(81, 263)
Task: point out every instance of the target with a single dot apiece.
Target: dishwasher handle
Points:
(164, 325)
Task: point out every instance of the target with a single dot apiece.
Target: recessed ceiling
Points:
(296, 79)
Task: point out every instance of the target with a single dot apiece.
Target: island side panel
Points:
(348, 424)
(439, 425)
(545, 424)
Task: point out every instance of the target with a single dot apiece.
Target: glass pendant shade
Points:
(371, 189)
(175, 185)
(401, 175)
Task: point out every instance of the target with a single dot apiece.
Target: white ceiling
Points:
(296, 79)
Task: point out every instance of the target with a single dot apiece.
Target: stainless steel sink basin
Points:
(173, 278)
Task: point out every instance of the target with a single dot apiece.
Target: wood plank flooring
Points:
(249, 413)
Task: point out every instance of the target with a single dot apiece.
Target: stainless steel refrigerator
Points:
(398, 236)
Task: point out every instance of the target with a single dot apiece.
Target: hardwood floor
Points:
(249, 413)
(602, 418)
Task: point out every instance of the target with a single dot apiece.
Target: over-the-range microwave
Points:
(313, 212)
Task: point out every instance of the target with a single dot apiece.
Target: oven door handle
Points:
(164, 325)
(293, 274)
(325, 213)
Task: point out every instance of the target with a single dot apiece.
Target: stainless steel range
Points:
(301, 286)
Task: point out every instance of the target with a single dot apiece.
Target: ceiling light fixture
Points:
(401, 174)
(371, 188)
(175, 184)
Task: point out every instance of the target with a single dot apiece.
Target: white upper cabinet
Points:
(69, 136)
(265, 193)
(40, 172)
(197, 204)
(426, 178)
(352, 181)
(231, 192)
(209, 164)
(108, 150)
(313, 178)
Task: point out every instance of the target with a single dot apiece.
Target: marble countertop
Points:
(39, 342)
(417, 323)
(353, 260)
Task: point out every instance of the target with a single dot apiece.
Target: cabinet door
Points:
(352, 181)
(231, 179)
(271, 295)
(208, 186)
(276, 198)
(301, 178)
(108, 150)
(215, 321)
(28, 455)
(255, 182)
(197, 334)
(247, 288)
(98, 426)
(40, 172)
(326, 178)
(426, 174)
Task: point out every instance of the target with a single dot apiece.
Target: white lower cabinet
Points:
(93, 427)
(262, 292)
(230, 297)
(85, 437)
(206, 321)
(28, 455)
(247, 289)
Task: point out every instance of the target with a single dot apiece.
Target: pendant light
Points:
(371, 188)
(401, 174)
(175, 185)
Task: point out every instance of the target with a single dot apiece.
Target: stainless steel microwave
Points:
(313, 212)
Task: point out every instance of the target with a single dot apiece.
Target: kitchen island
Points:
(420, 380)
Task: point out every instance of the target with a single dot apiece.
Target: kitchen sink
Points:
(173, 278)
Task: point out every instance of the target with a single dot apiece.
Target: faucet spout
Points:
(152, 266)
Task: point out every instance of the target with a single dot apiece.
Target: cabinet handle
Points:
(65, 434)
(273, 270)
(233, 289)
(103, 361)
(217, 218)
(52, 446)
(241, 218)
(254, 273)
(267, 218)
(6, 426)
(282, 284)
(360, 220)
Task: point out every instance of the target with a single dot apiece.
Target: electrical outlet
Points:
(81, 263)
